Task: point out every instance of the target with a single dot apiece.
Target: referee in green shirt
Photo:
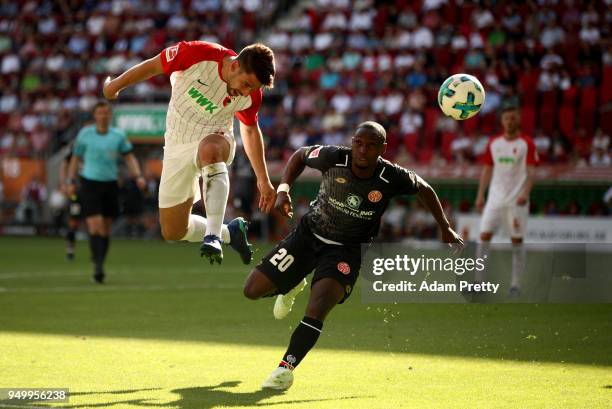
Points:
(97, 149)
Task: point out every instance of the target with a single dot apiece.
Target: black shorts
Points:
(301, 252)
(99, 198)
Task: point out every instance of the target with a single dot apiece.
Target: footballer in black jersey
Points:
(356, 189)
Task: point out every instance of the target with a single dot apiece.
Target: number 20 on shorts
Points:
(282, 260)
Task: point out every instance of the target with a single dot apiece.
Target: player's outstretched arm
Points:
(485, 178)
(427, 195)
(134, 169)
(524, 196)
(294, 168)
(70, 181)
(254, 148)
(140, 72)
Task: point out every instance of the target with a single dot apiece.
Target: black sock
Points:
(105, 242)
(96, 247)
(302, 340)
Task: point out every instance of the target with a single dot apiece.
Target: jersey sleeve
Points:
(532, 154)
(125, 146)
(249, 116)
(407, 182)
(80, 145)
(183, 55)
(322, 157)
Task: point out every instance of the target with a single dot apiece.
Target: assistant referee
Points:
(98, 148)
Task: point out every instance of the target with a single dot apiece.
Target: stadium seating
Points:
(55, 62)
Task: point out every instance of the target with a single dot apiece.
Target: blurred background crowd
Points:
(339, 63)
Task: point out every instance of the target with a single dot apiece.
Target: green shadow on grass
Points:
(202, 397)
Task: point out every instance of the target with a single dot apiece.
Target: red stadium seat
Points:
(488, 123)
(425, 156)
(567, 119)
(431, 119)
(411, 142)
(470, 126)
(445, 145)
(570, 96)
(588, 109)
(528, 119)
(605, 120)
(548, 111)
(606, 85)
(528, 86)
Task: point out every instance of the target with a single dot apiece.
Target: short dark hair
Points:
(258, 59)
(101, 103)
(509, 108)
(374, 127)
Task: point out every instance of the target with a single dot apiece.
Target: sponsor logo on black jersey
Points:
(353, 201)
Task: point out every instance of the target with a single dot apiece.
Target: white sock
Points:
(518, 264)
(482, 251)
(216, 191)
(196, 229)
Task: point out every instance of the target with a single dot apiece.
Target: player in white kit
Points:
(210, 85)
(509, 167)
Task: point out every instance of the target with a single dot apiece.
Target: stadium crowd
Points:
(339, 62)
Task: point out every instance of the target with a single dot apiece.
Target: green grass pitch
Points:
(170, 331)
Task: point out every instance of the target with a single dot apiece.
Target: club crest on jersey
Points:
(344, 268)
(171, 52)
(315, 153)
(341, 180)
(353, 201)
(374, 196)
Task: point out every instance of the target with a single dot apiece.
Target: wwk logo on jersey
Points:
(354, 201)
(202, 100)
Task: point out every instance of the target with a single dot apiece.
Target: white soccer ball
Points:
(461, 96)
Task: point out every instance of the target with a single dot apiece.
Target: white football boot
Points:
(280, 379)
(283, 303)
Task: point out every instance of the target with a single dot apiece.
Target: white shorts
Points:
(513, 218)
(180, 177)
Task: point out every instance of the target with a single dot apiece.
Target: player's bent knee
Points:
(213, 149)
(172, 233)
(251, 291)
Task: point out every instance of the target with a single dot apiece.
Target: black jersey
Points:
(347, 208)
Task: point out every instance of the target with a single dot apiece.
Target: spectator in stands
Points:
(336, 52)
(33, 197)
(600, 145)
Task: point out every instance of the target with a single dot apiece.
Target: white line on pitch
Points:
(106, 288)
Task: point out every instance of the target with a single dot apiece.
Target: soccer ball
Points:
(461, 96)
